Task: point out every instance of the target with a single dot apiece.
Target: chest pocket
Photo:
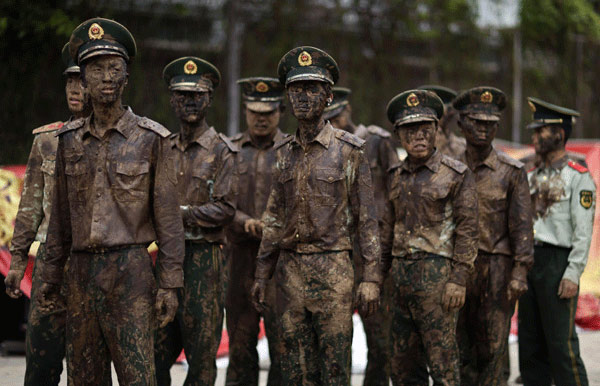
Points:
(48, 167)
(203, 181)
(433, 204)
(76, 171)
(328, 185)
(287, 179)
(133, 175)
(398, 203)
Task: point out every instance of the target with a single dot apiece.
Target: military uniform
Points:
(254, 168)
(505, 248)
(114, 196)
(321, 200)
(429, 239)
(204, 172)
(563, 199)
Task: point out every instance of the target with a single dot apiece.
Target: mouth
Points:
(74, 101)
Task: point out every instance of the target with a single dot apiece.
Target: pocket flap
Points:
(133, 168)
(329, 174)
(74, 168)
(48, 166)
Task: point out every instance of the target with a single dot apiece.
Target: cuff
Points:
(569, 274)
(519, 272)
(459, 274)
(170, 279)
(372, 272)
(52, 274)
(18, 262)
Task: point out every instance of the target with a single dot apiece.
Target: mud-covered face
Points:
(190, 106)
(547, 138)
(477, 132)
(308, 99)
(418, 139)
(342, 120)
(77, 98)
(105, 78)
(262, 124)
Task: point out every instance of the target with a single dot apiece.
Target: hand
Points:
(254, 227)
(13, 283)
(257, 294)
(49, 299)
(166, 305)
(368, 298)
(567, 289)
(515, 289)
(454, 297)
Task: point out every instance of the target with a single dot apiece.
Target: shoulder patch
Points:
(73, 125)
(228, 142)
(149, 124)
(49, 127)
(376, 130)
(350, 138)
(578, 167)
(505, 158)
(237, 137)
(283, 141)
(457, 166)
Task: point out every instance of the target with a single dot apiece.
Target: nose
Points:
(106, 76)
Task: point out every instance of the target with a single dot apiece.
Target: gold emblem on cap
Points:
(190, 67)
(412, 100)
(262, 87)
(95, 32)
(531, 106)
(304, 59)
(487, 97)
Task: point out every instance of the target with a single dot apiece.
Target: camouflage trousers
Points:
(45, 335)
(423, 334)
(199, 321)
(484, 321)
(243, 319)
(314, 304)
(110, 316)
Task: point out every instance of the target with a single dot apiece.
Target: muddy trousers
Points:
(423, 334)
(548, 343)
(314, 303)
(110, 316)
(199, 321)
(44, 337)
(243, 320)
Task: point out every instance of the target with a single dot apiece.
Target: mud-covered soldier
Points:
(505, 239)
(113, 197)
(203, 163)
(381, 154)
(45, 334)
(429, 244)
(446, 140)
(262, 107)
(322, 198)
(563, 200)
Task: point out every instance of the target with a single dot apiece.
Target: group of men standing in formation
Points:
(433, 243)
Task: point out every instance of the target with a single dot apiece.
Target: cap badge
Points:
(412, 100)
(95, 32)
(304, 59)
(531, 106)
(486, 97)
(262, 87)
(190, 67)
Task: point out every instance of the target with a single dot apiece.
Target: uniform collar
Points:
(324, 137)
(205, 139)
(557, 165)
(433, 163)
(246, 139)
(123, 125)
(491, 161)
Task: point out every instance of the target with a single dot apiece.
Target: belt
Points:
(101, 250)
(537, 243)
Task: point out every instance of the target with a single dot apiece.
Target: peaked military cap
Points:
(71, 67)
(341, 97)
(415, 106)
(446, 94)
(545, 113)
(307, 63)
(98, 36)
(190, 73)
(261, 94)
(482, 103)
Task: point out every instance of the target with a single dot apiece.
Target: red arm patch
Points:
(578, 167)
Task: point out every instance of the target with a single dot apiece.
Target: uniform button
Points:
(330, 179)
(408, 232)
(181, 173)
(99, 170)
(98, 194)
(297, 235)
(409, 193)
(545, 178)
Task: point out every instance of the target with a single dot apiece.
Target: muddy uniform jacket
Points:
(433, 209)
(115, 192)
(205, 183)
(322, 198)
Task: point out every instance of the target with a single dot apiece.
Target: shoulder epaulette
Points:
(457, 166)
(350, 138)
(532, 169)
(580, 168)
(283, 141)
(74, 124)
(395, 165)
(505, 158)
(49, 127)
(376, 130)
(149, 124)
(237, 137)
(228, 142)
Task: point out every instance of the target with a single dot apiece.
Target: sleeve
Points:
(466, 239)
(59, 239)
(520, 225)
(167, 222)
(388, 220)
(583, 203)
(31, 211)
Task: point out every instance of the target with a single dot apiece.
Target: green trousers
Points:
(548, 343)
(199, 321)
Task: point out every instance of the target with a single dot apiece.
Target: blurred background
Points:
(544, 48)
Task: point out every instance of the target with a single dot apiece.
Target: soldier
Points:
(563, 201)
(263, 107)
(203, 162)
(322, 198)
(381, 154)
(45, 333)
(505, 239)
(430, 232)
(114, 195)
